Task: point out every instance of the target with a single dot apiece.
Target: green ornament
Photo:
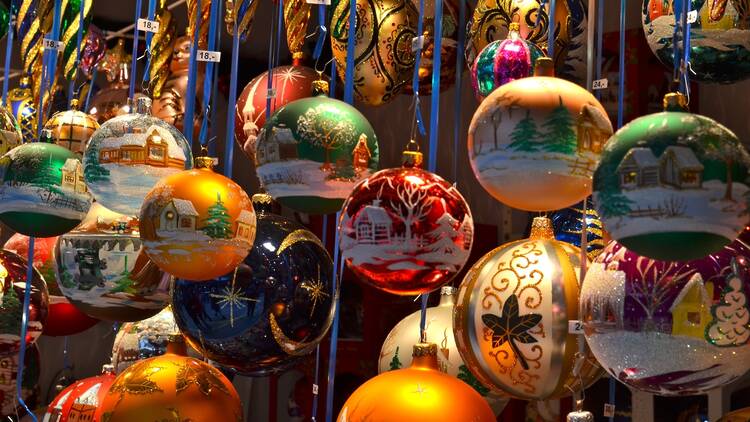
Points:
(4, 20)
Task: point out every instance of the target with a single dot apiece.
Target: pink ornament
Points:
(94, 47)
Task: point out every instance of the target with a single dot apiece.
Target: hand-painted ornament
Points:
(511, 318)
(42, 193)
(79, 401)
(71, 128)
(547, 129)
(405, 230)
(667, 327)
(273, 309)
(719, 38)
(312, 152)
(296, 18)
(171, 104)
(503, 61)
(672, 186)
(63, 318)
(439, 329)
(103, 271)
(112, 100)
(76, 15)
(171, 387)
(93, 50)
(569, 222)
(13, 278)
(127, 156)
(384, 60)
(10, 409)
(23, 109)
(290, 82)
(197, 224)
(10, 131)
(418, 393)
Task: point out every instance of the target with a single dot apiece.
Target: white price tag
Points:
(609, 410)
(692, 16)
(48, 44)
(209, 56)
(148, 26)
(323, 2)
(600, 84)
(315, 389)
(575, 327)
(417, 43)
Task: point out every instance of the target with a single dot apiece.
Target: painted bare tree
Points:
(413, 204)
(654, 284)
(727, 149)
(324, 126)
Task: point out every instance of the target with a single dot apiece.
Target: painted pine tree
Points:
(10, 313)
(729, 327)
(124, 283)
(395, 362)
(92, 170)
(48, 178)
(218, 224)
(558, 131)
(610, 200)
(466, 376)
(525, 135)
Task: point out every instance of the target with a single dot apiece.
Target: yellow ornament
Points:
(10, 132)
(71, 128)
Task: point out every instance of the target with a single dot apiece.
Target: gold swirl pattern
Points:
(192, 6)
(299, 235)
(162, 44)
(296, 18)
(70, 36)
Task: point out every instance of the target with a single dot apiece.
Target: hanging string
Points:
(621, 87)
(208, 79)
(458, 90)
(322, 32)
(338, 269)
(316, 374)
(134, 58)
(229, 141)
(332, 87)
(274, 45)
(215, 94)
(415, 78)
(551, 33)
(435, 100)
(79, 40)
(8, 57)
(25, 316)
(680, 47)
(349, 73)
(49, 67)
(91, 88)
(149, 37)
(599, 43)
(187, 121)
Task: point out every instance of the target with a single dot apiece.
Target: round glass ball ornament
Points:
(312, 152)
(271, 310)
(197, 224)
(142, 339)
(547, 129)
(114, 99)
(511, 318)
(79, 401)
(13, 271)
(10, 132)
(10, 409)
(719, 38)
(667, 327)
(420, 392)
(406, 230)
(102, 269)
(394, 354)
(42, 192)
(671, 185)
(71, 128)
(568, 224)
(128, 154)
(23, 109)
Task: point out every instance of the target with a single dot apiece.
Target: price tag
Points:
(323, 2)
(575, 327)
(692, 16)
(315, 389)
(417, 43)
(148, 26)
(600, 84)
(609, 410)
(209, 56)
(48, 44)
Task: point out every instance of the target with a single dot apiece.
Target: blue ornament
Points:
(568, 222)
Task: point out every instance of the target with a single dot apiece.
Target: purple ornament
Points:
(670, 328)
(94, 47)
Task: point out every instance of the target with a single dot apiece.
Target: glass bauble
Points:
(93, 50)
(13, 278)
(568, 224)
(113, 100)
(171, 387)
(511, 318)
(197, 224)
(103, 271)
(312, 152)
(275, 307)
(10, 409)
(406, 231)
(290, 83)
(78, 402)
(42, 193)
(547, 129)
(63, 318)
(70, 128)
(669, 328)
(128, 154)
(418, 393)
(672, 186)
(383, 58)
(171, 102)
(23, 109)
(492, 18)
(10, 132)
(503, 61)
(394, 354)
(719, 38)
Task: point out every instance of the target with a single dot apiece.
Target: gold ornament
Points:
(232, 13)
(162, 45)
(71, 128)
(10, 132)
(24, 109)
(296, 17)
(113, 100)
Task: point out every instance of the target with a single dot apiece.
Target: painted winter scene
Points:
(640, 314)
(127, 155)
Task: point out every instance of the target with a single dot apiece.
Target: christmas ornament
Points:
(511, 318)
(76, 14)
(503, 61)
(63, 318)
(740, 415)
(420, 392)
(42, 193)
(580, 416)
(112, 100)
(23, 109)
(548, 129)
(671, 185)
(438, 328)
(569, 222)
(492, 18)
(79, 401)
(296, 18)
(170, 105)
(272, 309)
(10, 132)
(405, 230)
(9, 407)
(719, 38)
(171, 387)
(4, 19)
(312, 152)
(127, 156)
(93, 50)
(71, 128)
(290, 82)
(197, 224)
(243, 11)
(13, 278)
(162, 46)
(667, 327)
(103, 271)
(384, 60)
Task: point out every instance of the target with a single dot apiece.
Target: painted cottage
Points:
(691, 310)
(72, 176)
(245, 226)
(361, 154)
(639, 168)
(593, 129)
(373, 224)
(178, 215)
(281, 145)
(139, 147)
(680, 168)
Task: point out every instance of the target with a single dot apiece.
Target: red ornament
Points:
(405, 230)
(79, 401)
(63, 318)
(13, 283)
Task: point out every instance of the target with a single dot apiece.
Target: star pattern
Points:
(316, 290)
(232, 296)
(420, 390)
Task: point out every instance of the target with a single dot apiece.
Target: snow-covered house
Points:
(373, 224)
(361, 154)
(149, 147)
(691, 309)
(178, 214)
(287, 144)
(467, 231)
(593, 129)
(639, 168)
(679, 167)
(245, 226)
(72, 176)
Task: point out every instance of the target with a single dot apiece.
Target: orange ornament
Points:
(171, 387)
(418, 393)
(197, 224)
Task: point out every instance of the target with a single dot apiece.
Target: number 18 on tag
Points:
(209, 56)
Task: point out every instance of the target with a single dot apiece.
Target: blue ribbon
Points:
(187, 121)
(149, 36)
(332, 87)
(229, 142)
(551, 33)
(134, 59)
(79, 39)
(349, 74)
(322, 32)
(338, 269)
(459, 82)
(216, 95)
(49, 67)
(208, 80)
(25, 321)
(91, 89)
(415, 77)
(621, 88)
(273, 54)
(435, 103)
(8, 57)
(681, 50)
(316, 379)
(599, 39)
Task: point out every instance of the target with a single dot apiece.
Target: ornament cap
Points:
(143, 105)
(203, 162)
(319, 87)
(514, 27)
(675, 101)
(544, 66)
(176, 344)
(74, 104)
(448, 291)
(424, 356)
(411, 156)
(448, 296)
(263, 203)
(541, 228)
(25, 81)
(108, 368)
(46, 136)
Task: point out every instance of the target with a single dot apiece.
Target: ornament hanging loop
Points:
(411, 156)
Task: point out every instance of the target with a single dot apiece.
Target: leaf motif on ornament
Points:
(191, 373)
(137, 381)
(512, 328)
